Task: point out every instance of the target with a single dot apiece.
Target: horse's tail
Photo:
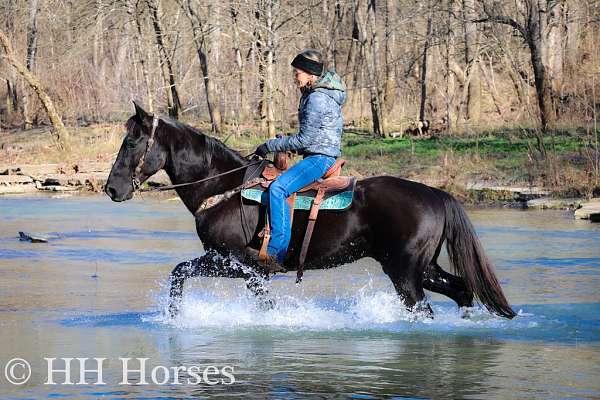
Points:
(469, 260)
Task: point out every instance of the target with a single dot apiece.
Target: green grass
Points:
(507, 150)
(497, 153)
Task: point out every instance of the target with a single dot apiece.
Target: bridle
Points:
(250, 179)
(138, 169)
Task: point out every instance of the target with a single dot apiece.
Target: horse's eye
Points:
(131, 143)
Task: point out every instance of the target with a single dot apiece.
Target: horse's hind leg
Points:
(406, 274)
(439, 281)
(209, 265)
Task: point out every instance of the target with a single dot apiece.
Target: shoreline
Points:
(88, 178)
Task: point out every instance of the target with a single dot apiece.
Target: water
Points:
(98, 289)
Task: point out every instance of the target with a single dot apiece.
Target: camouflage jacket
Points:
(320, 119)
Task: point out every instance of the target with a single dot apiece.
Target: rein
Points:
(137, 183)
(170, 187)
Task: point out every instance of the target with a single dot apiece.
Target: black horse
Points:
(400, 223)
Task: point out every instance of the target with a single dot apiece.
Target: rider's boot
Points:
(269, 265)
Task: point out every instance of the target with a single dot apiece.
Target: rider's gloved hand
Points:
(262, 150)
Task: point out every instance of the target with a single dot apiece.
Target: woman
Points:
(318, 139)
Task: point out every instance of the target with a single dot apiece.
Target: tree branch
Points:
(502, 19)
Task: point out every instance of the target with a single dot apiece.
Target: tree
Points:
(423, 79)
(473, 101)
(133, 9)
(174, 105)
(31, 52)
(60, 132)
(368, 19)
(533, 26)
(201, 43)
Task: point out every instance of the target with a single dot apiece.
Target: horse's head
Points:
(141, 155)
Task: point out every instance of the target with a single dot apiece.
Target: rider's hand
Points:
(262, 150)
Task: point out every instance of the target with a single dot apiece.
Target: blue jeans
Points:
(301, 174)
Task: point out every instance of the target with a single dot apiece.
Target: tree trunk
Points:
(473, 103)
(142, 50)
(60, 132)
(554, 50)
(450, 77)
(491, 85)
(12, 94)
(423, 79)
(269, 70)
(31, 51)
(370, 41)
(239, 60)
(532, 31)
(573, 16)
(200, 43)
(261, 106)
(214, 58)
(536, 48)
(174, 105)
(388, 92)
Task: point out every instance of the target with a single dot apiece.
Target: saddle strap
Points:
(266, 231)
(266, 234)
(312, 219)
(291, 202)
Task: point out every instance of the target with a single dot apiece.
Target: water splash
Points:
(369, 309)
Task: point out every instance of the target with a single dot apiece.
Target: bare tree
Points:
(31, 52)
(200, 34)
(174, 105)
(143, 51)
(234, 10)
(12, 97)
(532, 28)
(60, 132)
(367, 17)
(473, 101)
(426, 45)
(97, 54)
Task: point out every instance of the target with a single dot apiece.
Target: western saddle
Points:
(329, 185)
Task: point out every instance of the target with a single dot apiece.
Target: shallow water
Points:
(98, 289)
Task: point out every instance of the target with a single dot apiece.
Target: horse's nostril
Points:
(111, 191)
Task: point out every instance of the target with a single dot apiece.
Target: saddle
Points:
(333, 192)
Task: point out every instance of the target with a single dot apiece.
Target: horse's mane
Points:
(212, 146)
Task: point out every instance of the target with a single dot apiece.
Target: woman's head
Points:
(308, 68)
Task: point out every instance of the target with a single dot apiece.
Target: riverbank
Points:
(493, 168)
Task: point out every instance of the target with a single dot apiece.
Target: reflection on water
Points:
(97, 289)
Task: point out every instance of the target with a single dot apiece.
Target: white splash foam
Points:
(369, 309)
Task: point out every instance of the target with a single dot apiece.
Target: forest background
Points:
(443, 91)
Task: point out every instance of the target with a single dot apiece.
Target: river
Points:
(98, 289)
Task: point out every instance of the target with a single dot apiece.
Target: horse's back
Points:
(400, 209)
(394, 192)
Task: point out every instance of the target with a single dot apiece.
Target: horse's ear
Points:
(143, 116)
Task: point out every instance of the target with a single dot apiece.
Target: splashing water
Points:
(369, 310)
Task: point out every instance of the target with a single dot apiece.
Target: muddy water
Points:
(98, 289)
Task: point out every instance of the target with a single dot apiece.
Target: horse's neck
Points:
(199, 162)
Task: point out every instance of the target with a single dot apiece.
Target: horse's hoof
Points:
(422, 310)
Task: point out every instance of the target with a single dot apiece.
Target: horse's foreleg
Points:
(435, 279)
(256, 285)
(209, 265)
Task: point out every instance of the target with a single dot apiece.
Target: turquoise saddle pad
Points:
(340, 201)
